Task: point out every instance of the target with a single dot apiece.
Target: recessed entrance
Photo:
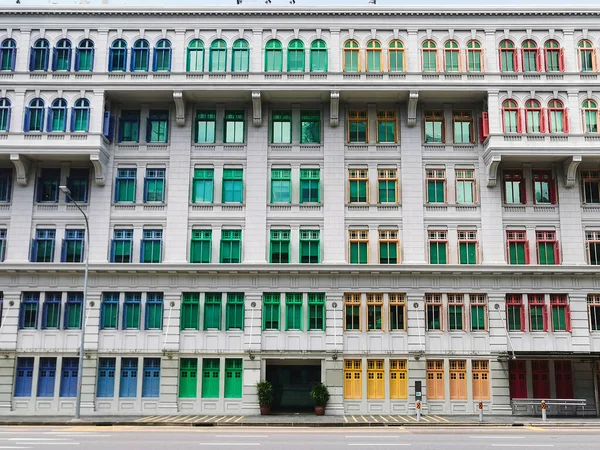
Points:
(292, 381)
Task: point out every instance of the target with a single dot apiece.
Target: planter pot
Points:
(320, 410)
(265, 410)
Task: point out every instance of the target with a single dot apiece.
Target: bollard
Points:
(544, 406)
(480, 407)
(418, 407)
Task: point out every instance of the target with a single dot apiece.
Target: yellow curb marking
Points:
(237, 420)
(442, 419)
(346, 419)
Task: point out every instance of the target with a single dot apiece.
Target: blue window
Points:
(8, 54)
(125, 185)
(4, 114)
(57, 115)
(109, 311)
(51, 310)
(140, 56)
(5, 185)
(42, 247)
(24, 377)
(151, 380)
(73, 311)
(117, 56)
(80, 115)
(47, 186)
(162, 56)
(78, 183)
(47, 377)
(106, 377)
(84, 56)
(38, 58)
(73, 246)
(151, 249)
(128, 386)
(129, 126)
(2, 247)
(154, 186)
(68, 377)
(131, 311)
(61, 55)
(121, 246)
(154, 310)
(28, 314)
(34, 116)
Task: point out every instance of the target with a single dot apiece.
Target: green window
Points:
(80, 115)
(61, 59)
(310, 127)
(536, 316)
(233, 183)
(518, 247)
(434, 127)
(438, 247)
(547, 247)
(8, 54)
(201, 247)
(514, 311)
(560, 313)
(109, 310)
(316, 311)
(233, 378)
(51, 310)
(234, 127)
(140, 56)
(154, 310)
(359, 185)
(507, 56)
(271, 311)
(281, 127)
(587, 56)
(436, 185)
(467, 251)
(359, 247)
(154, 185)
(310, 247)
(478, 312)
(73, 310)
(218, 56)
(351, 52)
(386, 127)
(474, 56)
(281, 185)
(280, 247)
(234, 319)
(388, 182)
(157, 126)
(151, 251)
(517, 253)
(293, 313)
(358, 126)
(374, 312)
(455, 313)
(463, 127)
(205, 127)
(388, 247)
(162, 56)
(212, 311)
(203, 189)
(57, 115)
(129, 126)
(240, 56)
(131, 311)
(188, 377)
(396, 56)
(190, 311)
(429, 56)
(273, 56)
(451, 56)
(310, 191)
(318, 56)
(434, 312)
(231, 246)
(296, 56)
(373, 56)
(465, 186)
(4, 114)
(195, 56)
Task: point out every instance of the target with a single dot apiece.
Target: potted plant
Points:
(320, 394)
(265, 396)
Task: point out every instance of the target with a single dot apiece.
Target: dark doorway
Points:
(292, 381)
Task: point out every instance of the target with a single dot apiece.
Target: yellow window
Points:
(375, 383)
(458, 379)
(481, 380)
(435, 379)
(398, 379)
(352, 378)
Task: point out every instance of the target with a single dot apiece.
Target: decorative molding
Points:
(334, 109)
(22, 167)
(411, 117)
(493, 170)
(256, 109)
(570, 168)
(99, 170)
(179, 108)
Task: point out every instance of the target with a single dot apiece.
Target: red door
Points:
(564, 379)
(540, 378)
(517, 374)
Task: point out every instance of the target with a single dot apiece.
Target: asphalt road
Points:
(184, 438)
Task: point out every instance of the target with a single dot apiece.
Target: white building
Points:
(378, 199)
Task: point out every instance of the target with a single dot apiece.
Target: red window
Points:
(517, 247)
(515, 313)
(517, 374)
(554, 56)
(561, 312)
(558, 117)
(511, 117)
(515, 191)
(544, 187)
(538, 314)
(534, 117)
(531, 57)
(484, 127)
(540, 377)
(563, 375)
(547, 247)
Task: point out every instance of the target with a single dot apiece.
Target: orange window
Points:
(481, 380)
(398, 378)
(435, 379)
(458, 379)
(352, 378)
(375, 380)
(508, 56)
(531, 57)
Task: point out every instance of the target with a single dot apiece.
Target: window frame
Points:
(385, 118)
(109, 311)
(316, 311)
(233, 238)
(351, 56)
(271, 320)
(358, 239)
(124, 237)
(456, 312)
(153, 238)
(374, 56)
(358, 124)
(281, 185)
(545, 239)
(434, 312)
(217, 56)
(429, 55)
(434, 117)
(273, 56)
(517, 237)
(213, 311)
(474, 57)
(389, 239)
(537, 301)
(515, 307)
(438, 238)
(352, 312)
(463, 117)
(308, 238)
(478, 310)
(592, 247)
(397, 54)
(358, 180)
(279, 246)
(593, 306)
(375, 313)
(468, 238)
(233, 186)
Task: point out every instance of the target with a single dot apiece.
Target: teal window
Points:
(587, 56)
(271, 315)
(359, 246)
(117, 56)
(154, 186)
(508, 56)
(388, 247)
(561, 314)
(310, 246)
(129, 126)
(3, 234)
(293, 311)
(217, 61)
(190, 311)
(531, 56)
(212, 311)
(281, 127)
(84, 56)
(318, 56)
(358, 126)
(387, 180)
(281, 185)
(474, 57)
(154, 311)
(80, 115)
(273, 56)
(467, 247)
(233, 185)
(590, 116)
(42, 247)
(61, 58)
(537, 312)
(358, 180)
(231, 246)
(351, 52)
(514, 187)
(434, 127)
(429, 57)
(151, 249)
(34, 116)
(234, 315)
(8, 55)
(121, 247)
(57, 115)
(465, 186)
(210, 377)
(203, 186)
(233, 378)
(195, 56)
(296, 56)
(39, 56)
(240, 56)
(157, 126)
(310, 187)
(316, 311)
(140, 56)
(280, 247)
(5, 108)
(234, 123)
(374, 56)
(205, 127)
(28, 311)
(73, 246)
(125, 185)
(436, 185)
(438, 247)
(543, 187)
(51, 310)
(132, 308)
(109, 311)
(162, 56)
(452, 56)
(201, 246)
(396, 56)
(463, 127)
(73, 311)
(310, 127)
(386, 127)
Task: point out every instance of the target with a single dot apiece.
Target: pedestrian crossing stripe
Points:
(389, 419)
(190, 419)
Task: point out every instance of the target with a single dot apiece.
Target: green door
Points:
(188, 378)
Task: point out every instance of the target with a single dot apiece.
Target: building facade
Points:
(395, 202)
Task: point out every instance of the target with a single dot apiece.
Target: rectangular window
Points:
(128, 384)
(271, 313)
(352, 312)
(121, 246)
(47, 186)
(465, 186)
(593, 302)
(467, 247)
(131, 311)
(388, 247)
(233, 184)
(28, 313)
(47, 377)
(398, 379)
(234, 319)
(233, 378)
(544, 188)
(438, 246)
(310, 127)
(42, 247)
(358, 126)
(436, 185)
(316, 311)
(458, 379)
(547, 247)
(433, 305)
(205, 127)
(231, 246)
(154, 310)
(281, 185)
(78, 183)
(51, 310)
(463, 127)
(435, 379)
(514, 188)
(125, 185)
(24, 377)
(515, 312)
(561, 312)
(358, 181)
(591, 186)
(154, 185)
(374, 312)
(434, 127)
(5, 179)
(387, 185)
(73, 311)
(188, 377)
(478, 304)
(212, 310)
(157, 126)
(129, 126)
(210, 377)
(352, 379)
(281, 127)
(456, 311)
(386, 127)
(3, 233)
(481, 380)
(293, 311)
(234, 127)
(151, 248)
(375, 379)
(310, 188)
(518, 247)
(68, 377)
(190, 311)
(538, 315)
(106, 377)
(397, 305)
(151, 380)
(109, 311)
(359, 246)
(203, 186)
(201, 247)
(73, 246)
(310, 247)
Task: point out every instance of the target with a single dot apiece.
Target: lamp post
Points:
(65, 190)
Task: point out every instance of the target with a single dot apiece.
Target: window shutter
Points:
(561, 60)
(142, 250)
(92, 53)
(553, 199)
(113, 246)
(486, 124)
(523, 192)
(69, 59)
(544, 121)
(38, 190)
(566, 120)
(568, 318)
(134, 54)
(522, 312)
(110, 60)
(545, 316)
(8, 119)
(502, 112)
(148, 129)
(50, 118)
(502, 69)
(120, 135)
(155, 60)
(13, 58)
(526, 250)
(102, 304)
(54, 59)
(146, 315)
(169, 54)
(34, 249)
(520, 124)
(63, 251)
(72, 125)
(32, 60)
(44, 316)
(27, 120)
(538, 60)
(556, 252)
(66, 316)
(76, 65)
(117, 189)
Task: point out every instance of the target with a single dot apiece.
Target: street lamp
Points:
(65, 190)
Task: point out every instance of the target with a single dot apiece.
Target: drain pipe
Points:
(168, 325)
(509, 340)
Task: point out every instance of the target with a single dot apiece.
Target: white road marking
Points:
(241, 435)
(370, 437)
(522, 445)
(222, 444)
(497, 437)
(63, 433)
(382, 444)
(17, 447)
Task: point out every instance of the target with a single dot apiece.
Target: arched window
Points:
(140, 56)
(296, 58)
(4, 114)
(195, 56)
(510, 117)
(117, 56)
(429, 50)
(351, 53)
(318, 56)
(533, 117)
(474, 56)
(587, 56)
(84, 56)
(80, 115)
(273, 56)
(558, 117)
(57, 115)
(531, 57)
(590, 116)
(61, 55)
(38, 58)
(240, 56)
(396, 57)
(554, 56)
(508, 56)
(217, 60)
(34, 116)
(374, 56)
(8, 54)
(451, 57)
(162, 56)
